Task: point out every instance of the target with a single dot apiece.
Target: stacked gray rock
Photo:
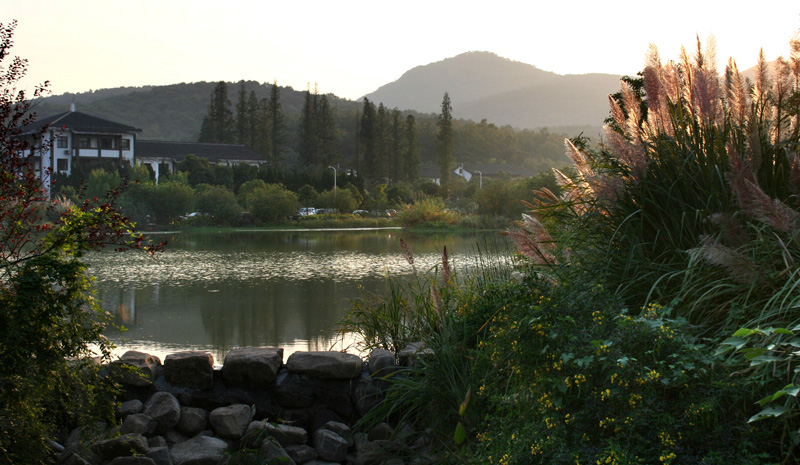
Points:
(187, 413)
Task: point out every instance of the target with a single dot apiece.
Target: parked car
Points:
(307, 211)
(360, 212)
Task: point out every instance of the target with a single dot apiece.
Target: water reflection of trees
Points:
(225, 290)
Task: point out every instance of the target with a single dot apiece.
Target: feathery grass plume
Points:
(670, 81)
(534, 241)
(755, 202)
(408, 254)
(445, 266)
(685, 81)
(530, 248)
(632, 104)
(735, 93)
(739, 268)
(436, 301)
(657, 110)
(782, 88)
(731, 229)
(761, 85)
(617, 113)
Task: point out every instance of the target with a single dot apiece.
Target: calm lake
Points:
(214, 291)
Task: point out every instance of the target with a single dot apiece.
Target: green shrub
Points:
(272, 203)
(218, 202)
(426, 211)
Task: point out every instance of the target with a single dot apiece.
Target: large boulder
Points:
(139, 423)
(230, 422)
(301, 453)
(190, 369)
(330, 446)
(254, 367)
(381, 362)
(325, 365)
(138, 368)
(274, 452)
(193, 420)
(164, 408)
(200, 450)
(341, 429)
(122, 446)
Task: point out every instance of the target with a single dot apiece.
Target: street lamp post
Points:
(334, 179)
(480, 179)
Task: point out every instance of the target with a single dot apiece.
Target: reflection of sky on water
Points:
(214, 292)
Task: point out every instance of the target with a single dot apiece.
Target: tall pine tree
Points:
(367, 134)
(277, 127)
(396, 139)
(242, 123)
(307, 132)
(218, 124)
(411, 160)
(445, 143)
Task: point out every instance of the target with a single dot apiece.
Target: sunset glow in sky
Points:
(352, 47)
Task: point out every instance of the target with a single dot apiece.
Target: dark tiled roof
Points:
(179, 150)
(430, 172)
(81, 123)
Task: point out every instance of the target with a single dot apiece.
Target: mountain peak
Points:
(465, 77)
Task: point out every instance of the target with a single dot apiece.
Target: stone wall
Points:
(186, 412)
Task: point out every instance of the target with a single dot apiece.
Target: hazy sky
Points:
(352, 47)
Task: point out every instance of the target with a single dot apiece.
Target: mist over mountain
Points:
(482, 85)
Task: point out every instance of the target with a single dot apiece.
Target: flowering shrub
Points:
(573, 378)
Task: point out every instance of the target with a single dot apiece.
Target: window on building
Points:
(61, 142)
(107, 143)
(126, 144)
(84, 142)
(62, 165)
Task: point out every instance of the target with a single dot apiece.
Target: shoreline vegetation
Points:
(649, 315)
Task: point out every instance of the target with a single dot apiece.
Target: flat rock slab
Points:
(200, 450)
(254, 367)
(325, 365)
(140, 369)
(190, 369)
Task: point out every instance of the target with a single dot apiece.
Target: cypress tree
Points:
(307, 132)
(242, 124)
(367, 135)
(411, 160)
(396, 139)
(218, 124)
(326, 126)
(445, 142)
(277, 126)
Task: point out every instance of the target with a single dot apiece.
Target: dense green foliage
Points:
(50, 323)
(651, 317)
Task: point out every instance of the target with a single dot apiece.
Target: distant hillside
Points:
(174, 112)
(505, 92)
(481, 85)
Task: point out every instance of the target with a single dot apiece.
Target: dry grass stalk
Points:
(739, 268)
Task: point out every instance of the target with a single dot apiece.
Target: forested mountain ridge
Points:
(505, 92)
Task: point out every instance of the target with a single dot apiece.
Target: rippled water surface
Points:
(217, 290)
